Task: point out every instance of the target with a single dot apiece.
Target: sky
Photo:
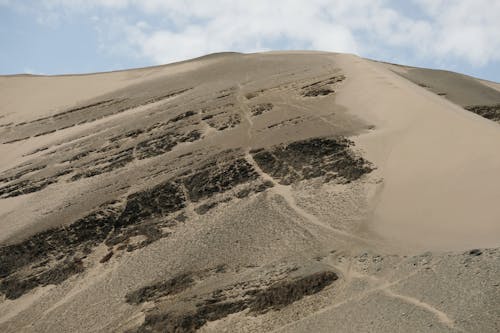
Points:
(81, 36)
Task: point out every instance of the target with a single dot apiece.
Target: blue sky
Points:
(78, 36)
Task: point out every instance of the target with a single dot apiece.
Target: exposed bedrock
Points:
(491, 112)
(54, 255)
(312, 158)
(217, 306)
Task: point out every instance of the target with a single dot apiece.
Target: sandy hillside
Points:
(273, 192)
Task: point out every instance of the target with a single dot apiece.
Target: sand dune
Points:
(267, 192)
(439, 162)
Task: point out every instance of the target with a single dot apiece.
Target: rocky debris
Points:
(26, 186)
(128, 135)
(145, 213)
(52, 251)
(224, 120)
(216, 177)
(13, 287)
(329, 157)
(284, 293)
(79, 156)
(108, 164)
(321, 88)
(182, 116)
(491, 112)
(151, 147)
(150, 231)
(254, 187)
(292, 121)
(223, 94)
(88, 113)
(259, 109)
(475, 252)
(188, 322)
(172, 286)
(204, 208)
(69, 118)
(320, 91)
(164, 143)
(106, 257)
(158, 201)
(110, 224)
(17, 140)
(257, 188)
(217, 305)
(18, 174)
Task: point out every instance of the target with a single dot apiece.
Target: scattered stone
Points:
(106, 257)
(475, 252)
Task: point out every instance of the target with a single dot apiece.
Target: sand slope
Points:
(439, 162)
(273, 192)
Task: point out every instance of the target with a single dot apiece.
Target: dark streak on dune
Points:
(217, 306)
(313, 158)
(491, 112)
(148, 212)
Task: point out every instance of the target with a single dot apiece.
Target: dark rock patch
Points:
(259, 109)
(318, 92)
(158, 201)
(310, 159)
(182, 116)
(147, 214)
(284, 293)
(170, 287)
(491, 112)
(14, 287)
(63, 241)
(475, 252)
(164, 143)
(321, 88)
(224, 121)
(17, 140)
(204, 208)
(130, 134)
(217, 306)
(19, 174)
(73, 110)
(217, 178)
(107, 164)
(25, 187)
(106, 257)
(53, 252)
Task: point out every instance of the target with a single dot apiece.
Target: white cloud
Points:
(464, 30)
(235, 25)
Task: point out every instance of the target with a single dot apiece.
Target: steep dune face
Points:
(439, 162)
(247, 193)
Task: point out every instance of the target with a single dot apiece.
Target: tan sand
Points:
(439, 162)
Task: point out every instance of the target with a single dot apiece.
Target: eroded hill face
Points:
(147, 164)
(223, 194)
